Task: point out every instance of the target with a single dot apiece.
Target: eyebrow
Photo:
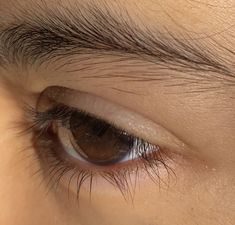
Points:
(45, 35)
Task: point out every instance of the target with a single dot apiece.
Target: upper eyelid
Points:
(114, 114)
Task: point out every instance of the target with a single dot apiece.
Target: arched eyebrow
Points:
(46, 35)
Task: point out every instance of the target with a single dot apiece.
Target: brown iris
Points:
(98, 141)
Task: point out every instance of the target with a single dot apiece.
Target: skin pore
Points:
(169, 62)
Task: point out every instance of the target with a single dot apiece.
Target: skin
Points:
(202, 191)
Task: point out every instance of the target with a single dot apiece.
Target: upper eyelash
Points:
(39, 125)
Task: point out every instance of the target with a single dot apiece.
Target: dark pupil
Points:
(97, 141)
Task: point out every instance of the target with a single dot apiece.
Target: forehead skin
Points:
(198, 197)
(200, 18)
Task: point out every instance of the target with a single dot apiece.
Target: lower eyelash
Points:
(55, 168)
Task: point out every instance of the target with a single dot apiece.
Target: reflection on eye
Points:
(72, 141)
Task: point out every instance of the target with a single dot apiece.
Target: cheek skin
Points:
(22, 202)
(198, 195)
(194, 198)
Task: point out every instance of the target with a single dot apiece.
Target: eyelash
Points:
(56, 167)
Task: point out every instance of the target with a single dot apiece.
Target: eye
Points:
(79, 140)
(89, 139)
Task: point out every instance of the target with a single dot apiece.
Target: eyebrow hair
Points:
(45, 34)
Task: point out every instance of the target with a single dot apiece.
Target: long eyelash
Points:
(58, 168)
